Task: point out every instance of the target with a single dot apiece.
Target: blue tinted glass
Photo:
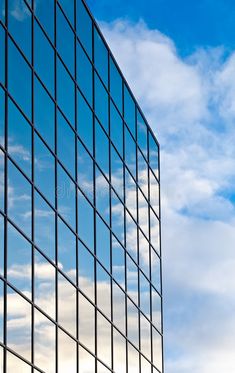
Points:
(85, 172)
(19, 138)
(131, 236)
(131, 195)
(43, 58)
(2, 56)
(143, 174)
(116, 129)
(68, 8)
(129, 111)
(102, 242)
(144, 295)
(66, 144)
(65, 40)
(44, 165)
(86, 270)
(130, 152)
(142, 134)
(85, 123)
(84, 27)
(2, 117)
(19, 199)
(116, 85)
(2, 180)
(116, 172)
(44, 226)
(19, 84)
(100, 56)
(102, 196)
(85, 221)
(153, 154)
(66, 92)
(66, 197)
(67, 250)
(19, 256)
(101, 149)
(44, 114)
(84, 73)
(2, 240)
(132, 279)
(2, 11)
(19, 23)
(117, 217)
(45, 15)
(118, 262)
(155, 270)
(101, 103)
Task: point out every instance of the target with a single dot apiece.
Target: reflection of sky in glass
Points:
(78, 193)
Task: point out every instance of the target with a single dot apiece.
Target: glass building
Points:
(80, 258)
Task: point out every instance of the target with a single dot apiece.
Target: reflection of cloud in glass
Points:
(19, 10)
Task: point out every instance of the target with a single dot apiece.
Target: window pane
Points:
(85, 123)
(155, 270)
(103, 288)
(153, 154)
(144, 295)
(2, 117)
(145, 366)
(156, 310)
(44, 163)
(117, 172)
(129, 111)
(86, 323)
(157, 349)
(67, 353)
(102, 196)
(19, 199)
(44, 114)
(143, 174)
(67, 311)
(144, 254)
(84, 27)
(19, 138)
(142, 134)
(145, 340)
(119, 308)
(66, 250)
(133, 359)
(154, 231)
(46, 16)
(154, 193)
(100, 56)
(102, 242)
(66, 144)
(2, 11)
(2, 240)
(143, 213)
(18, 324)
(130, 152)
(85, 172)
(44, 226)
(103, 339)
(101, 103)
(85, 221)
(19, 83)
(84, 73)
(1, 317)
(44, 353)
(119, 349)
(131, 195)
(44, 285)
(101, 149)
(118, 262)
(117, 217)
(131, 236)
(65, 40)
(2, 175)
(116, 129)
(2, 57)
(43, 57)
(115, 85)
(19, 261)
(19, 24)
(65, 92)
(86, 271)
(132, 279)
(66, 193)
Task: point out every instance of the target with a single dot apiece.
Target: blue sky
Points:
(179, 58)
(189, 23)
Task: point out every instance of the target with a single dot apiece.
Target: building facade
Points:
(80, 258)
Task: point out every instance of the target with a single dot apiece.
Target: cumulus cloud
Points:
(189, 103)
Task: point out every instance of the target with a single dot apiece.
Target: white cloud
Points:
(190, 105)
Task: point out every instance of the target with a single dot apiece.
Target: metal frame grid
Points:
(75, 180)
